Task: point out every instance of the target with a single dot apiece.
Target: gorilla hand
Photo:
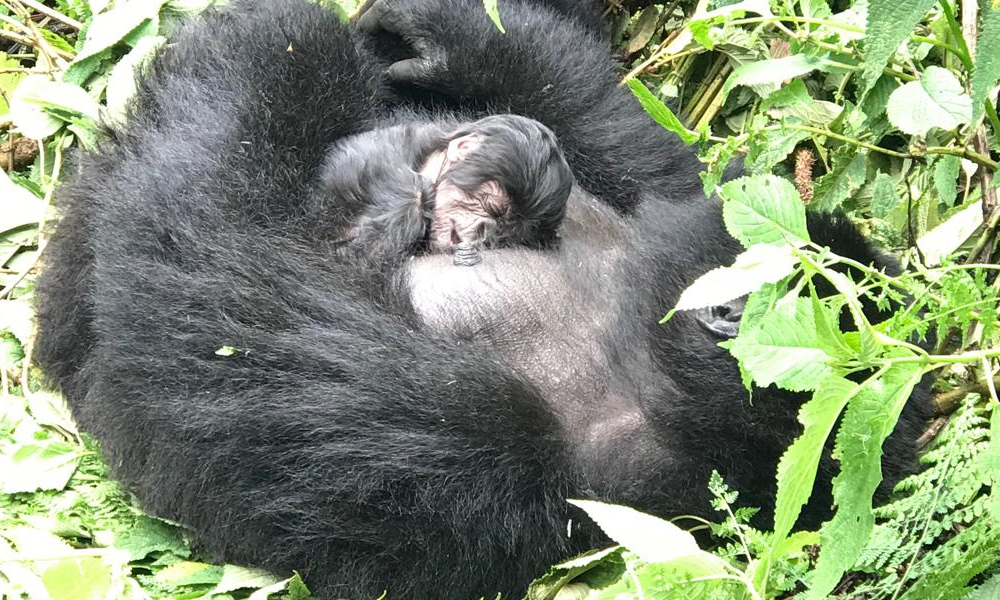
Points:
(406, 19)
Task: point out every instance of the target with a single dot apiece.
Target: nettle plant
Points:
(858, 381)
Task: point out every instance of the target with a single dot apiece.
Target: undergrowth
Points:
(883, 110)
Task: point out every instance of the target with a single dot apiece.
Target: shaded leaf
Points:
(884, 196)
(773, 71)
(936, 100)
(651, 538)
(946, 172)
(987, 67)
(494, 13)
(889, 23)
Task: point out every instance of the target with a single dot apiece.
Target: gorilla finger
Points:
(375, 15)
(416, 71)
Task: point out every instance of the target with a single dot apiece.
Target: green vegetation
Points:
(884, 110)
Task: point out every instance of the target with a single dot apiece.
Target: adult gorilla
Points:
(416, 431)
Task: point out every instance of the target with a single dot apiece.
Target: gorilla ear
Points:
(461, 147)
(722, 321)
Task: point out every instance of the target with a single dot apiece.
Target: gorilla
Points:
(501, 181)
(413, 427)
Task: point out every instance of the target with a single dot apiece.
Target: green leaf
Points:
(987, 67)
(109, 29)
(936, 100)
(989, 465)
(798, 465)
(773, 71)
(41, 106)
(769, 147)
(760, 264)
(947, 237)
(241, 578)
(784, 349)
(84, 578)
(763, 209)
(660, 112)
(870, 417)
(889, 23)
(847, 174)
(149, 535)
(494, 13)
(884, 196)
(188, 573)
(652, 539)
(946, 172)
(39, 466)
(18, 206)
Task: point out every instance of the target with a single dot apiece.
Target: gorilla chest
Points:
(536, 313)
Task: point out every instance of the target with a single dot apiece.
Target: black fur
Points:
(415, 431)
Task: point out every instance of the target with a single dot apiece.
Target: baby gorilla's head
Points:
(500, 181)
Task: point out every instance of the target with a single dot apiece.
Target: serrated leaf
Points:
(40, 106)
(769, 147)
(235, 578)
(884, 196)
(38, 466)
(148, 535)
(846, 176)
(763, 209)
(784, 349)
(889, 23)
(946, 172)
(759, 264)
(798, 465)
(987, 67)
(652, 539)
(870, 417)
(660, 112)
(936, 100)
(773, 71)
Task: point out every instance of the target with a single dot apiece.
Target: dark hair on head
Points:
(523, 157)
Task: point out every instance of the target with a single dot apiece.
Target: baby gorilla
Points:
(446, 186)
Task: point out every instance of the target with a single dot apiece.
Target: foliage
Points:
(883, 110)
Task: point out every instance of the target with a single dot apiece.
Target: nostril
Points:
(455, 238)
(481, 232)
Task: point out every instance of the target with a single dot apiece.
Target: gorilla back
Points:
(417, 430)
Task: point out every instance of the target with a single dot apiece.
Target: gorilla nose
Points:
(722, 321)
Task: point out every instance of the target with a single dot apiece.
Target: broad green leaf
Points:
(946, 172)
(83, 578)
(798, 465)
(763, 209)
(148, 535)
(987, 67)
(884, 196)
(549, 585)
(936, 100)
(41, 106)
(652, 539)
(846, 176)
(889, 23)
(494, 13)
(769, 147)
(109, 29)
(45, 465)
(947, 237)
(760, 264)
(660, 112)
(8, 80)
(870, 417)
(784, 349)
(773, 71)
